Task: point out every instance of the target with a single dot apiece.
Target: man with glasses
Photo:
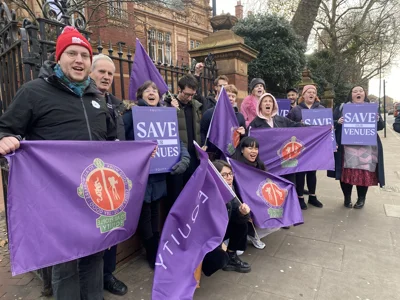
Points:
(63, 104)
(189, 116)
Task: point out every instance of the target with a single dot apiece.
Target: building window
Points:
(116, 9)
(160, 48)
(194, 44)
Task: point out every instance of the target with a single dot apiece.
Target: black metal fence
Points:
(23, 49)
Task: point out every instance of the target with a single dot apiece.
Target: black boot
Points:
(347, 202)
(314, 201)
(115, 286)
(236, 264)
(303, 205)
(151, 246)
(360, 203)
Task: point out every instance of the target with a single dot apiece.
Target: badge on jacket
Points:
(95, 104)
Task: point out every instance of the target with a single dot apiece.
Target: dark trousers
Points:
(218, 258)
(301, 177)
(80, 279)
(110, 262)
(149, 220)
(237, 235)
(347, 188)
(290, 177)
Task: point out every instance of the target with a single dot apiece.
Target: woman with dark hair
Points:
(236, 232)
(349, 168)
(308, 100)
(148, 227)
(247, 152)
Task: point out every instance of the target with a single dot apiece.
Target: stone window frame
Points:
(160, 46)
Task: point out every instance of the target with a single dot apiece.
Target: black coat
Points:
(337, 174)
(117, 108)
(295, 113)
(46, 109)
(279, 122)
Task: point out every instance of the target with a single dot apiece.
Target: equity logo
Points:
(235, 139)
(105, 189)
(274, 196)
(290, 151)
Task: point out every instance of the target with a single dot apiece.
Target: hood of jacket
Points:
(274, 110)
(48, 75)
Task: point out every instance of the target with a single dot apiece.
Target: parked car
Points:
(390, 112)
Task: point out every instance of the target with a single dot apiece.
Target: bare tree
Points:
(304, 17)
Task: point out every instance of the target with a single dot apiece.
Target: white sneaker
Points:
(256, 242)
(238, 252)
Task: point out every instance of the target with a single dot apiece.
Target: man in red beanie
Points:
(63, 104)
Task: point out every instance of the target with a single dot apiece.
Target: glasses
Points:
(226, 175)
(188, 94)
(74, 55)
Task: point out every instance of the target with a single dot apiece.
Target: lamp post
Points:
(214, 7)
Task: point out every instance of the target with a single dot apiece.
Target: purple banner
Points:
(319, 117)
(160, 124)
(143, 69)
(292, 150)
(273, 200)
(360, 124)
(284, 107)
(195, 226)
(222, 131)
(70, 199)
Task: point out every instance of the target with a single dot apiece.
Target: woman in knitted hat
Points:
(362, 166)
(249, 104)
(308, 100)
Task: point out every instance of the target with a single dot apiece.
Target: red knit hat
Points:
(71, 36)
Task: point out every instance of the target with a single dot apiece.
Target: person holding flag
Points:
(236, 232)
(247, 153)
(221, 120)
(149, 95)
(196, 225)
(63, 104)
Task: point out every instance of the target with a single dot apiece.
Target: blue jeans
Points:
(80, 279)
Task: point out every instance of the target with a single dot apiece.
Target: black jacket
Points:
(279, 122)
(46, 109)
(337, 173)
(295, 113)
(396, 124)
(117, 108)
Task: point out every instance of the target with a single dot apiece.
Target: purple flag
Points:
(283, 106)
(70, 199)
(222, 131)
(161, 124)
(319, 117)
(292, 150)
(144, 69)
(195, 226)
(273, 200)
(360, 124)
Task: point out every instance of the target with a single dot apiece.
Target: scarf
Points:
(77, 87)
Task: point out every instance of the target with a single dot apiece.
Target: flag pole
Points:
(169, 94)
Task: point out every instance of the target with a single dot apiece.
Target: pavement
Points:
(338, 253)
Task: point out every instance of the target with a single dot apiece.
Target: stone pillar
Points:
(305, 80)
(231, 55)
(328, 96)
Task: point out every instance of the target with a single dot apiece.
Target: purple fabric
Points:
(284, 107)
(144, 69)
(360, 124)
(292, 150)
(222, 132)
(319, 117)
(195, 226)
(70, 199)
(161, 124)
(273, 200)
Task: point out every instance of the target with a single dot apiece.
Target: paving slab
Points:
(392, 210)
(312, 252)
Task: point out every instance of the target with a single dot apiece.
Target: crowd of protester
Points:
(77, 77)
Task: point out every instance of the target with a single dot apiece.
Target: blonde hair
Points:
(231, 88)
(128, 104)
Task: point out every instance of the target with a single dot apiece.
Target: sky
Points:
(392, 77)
